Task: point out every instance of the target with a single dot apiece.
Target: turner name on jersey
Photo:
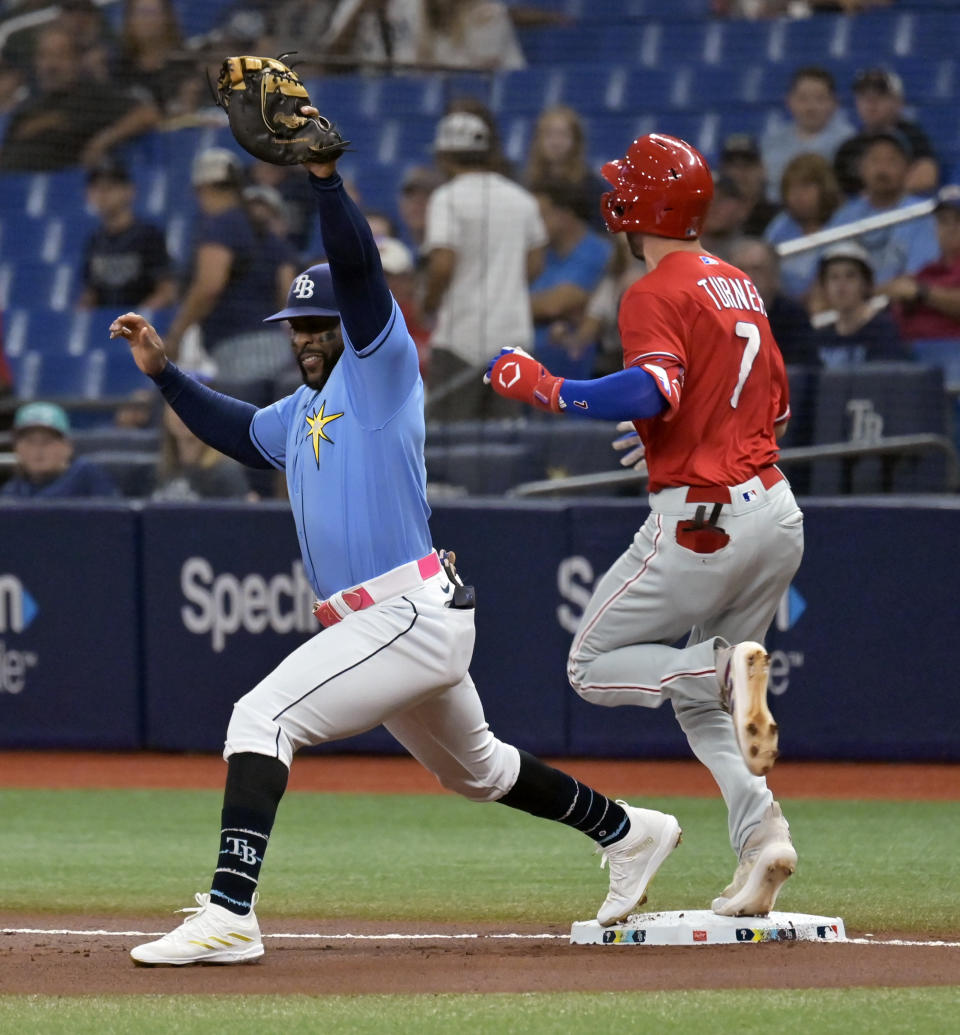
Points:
(733, 293)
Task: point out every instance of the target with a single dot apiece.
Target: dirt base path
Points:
(401, 775)
(99, 964)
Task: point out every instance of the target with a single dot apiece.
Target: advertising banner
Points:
(69, 627)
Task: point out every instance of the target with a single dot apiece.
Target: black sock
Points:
(255, 785)
(552, 794)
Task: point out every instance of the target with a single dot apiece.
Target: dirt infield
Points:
(98, 964)
(88, 955)
(401, 775)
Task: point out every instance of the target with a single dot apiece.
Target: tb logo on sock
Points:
(243, 849)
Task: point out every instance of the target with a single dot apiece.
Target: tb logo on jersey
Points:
(303, 287)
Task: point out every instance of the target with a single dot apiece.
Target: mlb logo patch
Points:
(709, 260)
(750, 494)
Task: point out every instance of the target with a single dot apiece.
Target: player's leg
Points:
(759, 834)
(650, 597)
(345, 680)
(354, 675)
(449, 736)
(224, 928)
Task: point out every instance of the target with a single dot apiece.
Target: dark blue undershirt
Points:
(363, 297)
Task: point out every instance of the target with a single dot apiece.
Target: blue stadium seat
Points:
(666, 44)
(647, 91)
(121, 375)
(484, 469)
(22, 236)
(26, 373)
(525, 90)
(28, 285)
(810, 41)
(587, 88)
(108, 438)
(40, 330)
(404, 95)
(928, 81)
(467, 84)
(70, 377)
(16, 187)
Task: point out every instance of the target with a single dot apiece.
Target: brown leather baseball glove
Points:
(263, 99)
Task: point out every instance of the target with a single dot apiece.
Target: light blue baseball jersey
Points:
(353, 456)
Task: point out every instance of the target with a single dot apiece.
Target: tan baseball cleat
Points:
(757, 733)
(767, 861)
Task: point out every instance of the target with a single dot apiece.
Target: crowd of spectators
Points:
(485, 252)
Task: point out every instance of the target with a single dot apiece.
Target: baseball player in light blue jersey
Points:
(398, 627)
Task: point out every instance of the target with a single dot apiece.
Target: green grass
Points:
(890, 1011)
(879, 865)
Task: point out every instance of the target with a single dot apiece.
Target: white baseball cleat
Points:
(635, 859)
(767, 861)
(757, 733)
(211, 935)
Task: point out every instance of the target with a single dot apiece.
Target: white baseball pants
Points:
(402, 663)
(658, 592)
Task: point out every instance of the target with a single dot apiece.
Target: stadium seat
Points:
(22, 236)
(809, 41)
(77, 377)
(134, 473)
(41, 330)
(467, 84)
(111, 439)
(26, 373)
(29, 285)
(121, 375)
(484, 469)
(928, 81)
(587, 88)
(873, 399)
(526, 90)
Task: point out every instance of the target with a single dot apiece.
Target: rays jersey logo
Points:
(302, 287)
(317, 425)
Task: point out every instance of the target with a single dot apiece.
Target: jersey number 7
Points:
(751, 335)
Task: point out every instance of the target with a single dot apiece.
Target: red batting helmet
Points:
(662, 187)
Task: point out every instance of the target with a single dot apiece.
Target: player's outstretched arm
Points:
(218, 420)
(363, 296)
(630, 394)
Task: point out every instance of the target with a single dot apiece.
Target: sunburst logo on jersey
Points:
(317, 423)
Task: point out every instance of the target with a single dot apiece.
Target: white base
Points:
(703, 927)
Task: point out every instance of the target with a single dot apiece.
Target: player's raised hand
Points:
(515, 374)
(629, 440)
(321, 169)
(146, 346)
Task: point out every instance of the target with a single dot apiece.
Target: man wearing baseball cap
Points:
(878, 95)
(46, 467)
(907, 246)
(741, 162)
(928, 303)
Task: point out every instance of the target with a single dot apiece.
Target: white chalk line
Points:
(465, 936)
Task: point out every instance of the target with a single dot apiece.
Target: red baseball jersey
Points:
(699, 326)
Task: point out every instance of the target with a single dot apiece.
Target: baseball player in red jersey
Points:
(705, 387)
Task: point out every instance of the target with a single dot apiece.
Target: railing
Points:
(892, 446)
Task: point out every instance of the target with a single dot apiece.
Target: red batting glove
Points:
(515, 374)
